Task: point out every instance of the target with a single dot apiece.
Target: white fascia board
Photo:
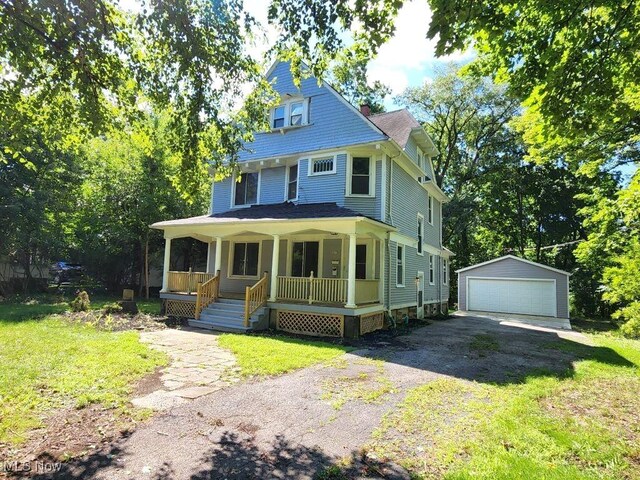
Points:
(488, 262)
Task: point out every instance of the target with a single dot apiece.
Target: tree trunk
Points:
(146, 267)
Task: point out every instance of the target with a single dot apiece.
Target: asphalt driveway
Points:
(294, 425)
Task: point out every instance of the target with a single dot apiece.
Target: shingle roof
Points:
(279, 211)
(397, 124)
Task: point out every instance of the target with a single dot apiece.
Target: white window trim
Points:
(432, 269)
(372, 177)
(233, 190)
(232, 244)
(445, 271)
(287, 114)
(286, 183)
(404, 263)
(310, 172)
(429, 209)
(420, 247)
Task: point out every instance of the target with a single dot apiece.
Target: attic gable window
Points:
(293, 113)
(322, 165)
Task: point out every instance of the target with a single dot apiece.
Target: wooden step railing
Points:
(254, 298)
(207, 293)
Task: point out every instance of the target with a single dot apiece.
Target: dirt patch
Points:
(117, 322)
(70, 433)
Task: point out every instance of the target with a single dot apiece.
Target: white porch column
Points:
(351, 272)
(275, 262)
(166, 264)
(218, 264)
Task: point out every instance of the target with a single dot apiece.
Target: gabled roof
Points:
(513, 257)
(272, 212)
(397, 124)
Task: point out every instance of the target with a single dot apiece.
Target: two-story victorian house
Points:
(332, 219)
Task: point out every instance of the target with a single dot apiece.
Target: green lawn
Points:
(48, 363)
(273, 355)
(584, 425)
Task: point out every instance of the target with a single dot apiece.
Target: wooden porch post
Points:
(351, 273)
(218, 265)
(166, 265)
(275, 262)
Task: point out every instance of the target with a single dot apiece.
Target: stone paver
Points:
(198, 366)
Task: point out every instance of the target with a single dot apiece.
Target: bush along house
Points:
(334, 220)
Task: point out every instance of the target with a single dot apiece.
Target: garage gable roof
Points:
(523, 260)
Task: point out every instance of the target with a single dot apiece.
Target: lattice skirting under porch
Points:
(177, 308)
(305, 323)
(371, 322)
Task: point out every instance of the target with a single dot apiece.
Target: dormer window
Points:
(296, 113)
(293, 113)
(278, 117)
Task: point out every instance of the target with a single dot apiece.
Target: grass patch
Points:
(484, 343)
(49, 363)
(273, 355)
(584, 424)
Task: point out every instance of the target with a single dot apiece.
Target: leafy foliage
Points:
(81, 303)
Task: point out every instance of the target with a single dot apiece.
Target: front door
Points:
(305, 259)
(420, 294)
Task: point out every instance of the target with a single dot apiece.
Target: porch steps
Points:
(227, 315)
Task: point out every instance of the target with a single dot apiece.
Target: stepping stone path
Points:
(198, 366)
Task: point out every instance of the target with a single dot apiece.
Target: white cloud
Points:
(402, 61)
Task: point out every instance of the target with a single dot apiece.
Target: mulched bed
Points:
(118, 322)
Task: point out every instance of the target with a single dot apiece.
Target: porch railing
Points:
(367, 291)
(255, 297)
(312, 289)
(187, 282)
(207, 293)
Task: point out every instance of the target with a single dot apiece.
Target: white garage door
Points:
(525, 297)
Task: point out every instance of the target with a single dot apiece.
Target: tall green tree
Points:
(130, 181)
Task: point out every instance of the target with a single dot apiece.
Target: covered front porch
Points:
(333, 265)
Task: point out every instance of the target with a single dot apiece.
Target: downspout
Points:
(388, 181)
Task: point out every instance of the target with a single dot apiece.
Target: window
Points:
(431, 270)
(361, 262)
(360, 176)
(247, 189)
(305, 259)
(322, 166)
(245, 259)
(420, 159)
(278, 116)
(400, 266)
(444, 271)
(292, 184)
(430, 209)
(293, 113)
(295, 117)
(420, 233)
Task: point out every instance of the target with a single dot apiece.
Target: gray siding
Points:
(322, 188)
(511, 268)
(272, 185)
(408, 199)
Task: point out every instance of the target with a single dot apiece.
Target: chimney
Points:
(365, 109)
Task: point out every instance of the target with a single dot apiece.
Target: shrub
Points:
(81, 303)
(113, 307)
(631, 314)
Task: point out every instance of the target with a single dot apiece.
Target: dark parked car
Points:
(61, 272)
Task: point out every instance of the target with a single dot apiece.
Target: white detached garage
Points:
(514, 285)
